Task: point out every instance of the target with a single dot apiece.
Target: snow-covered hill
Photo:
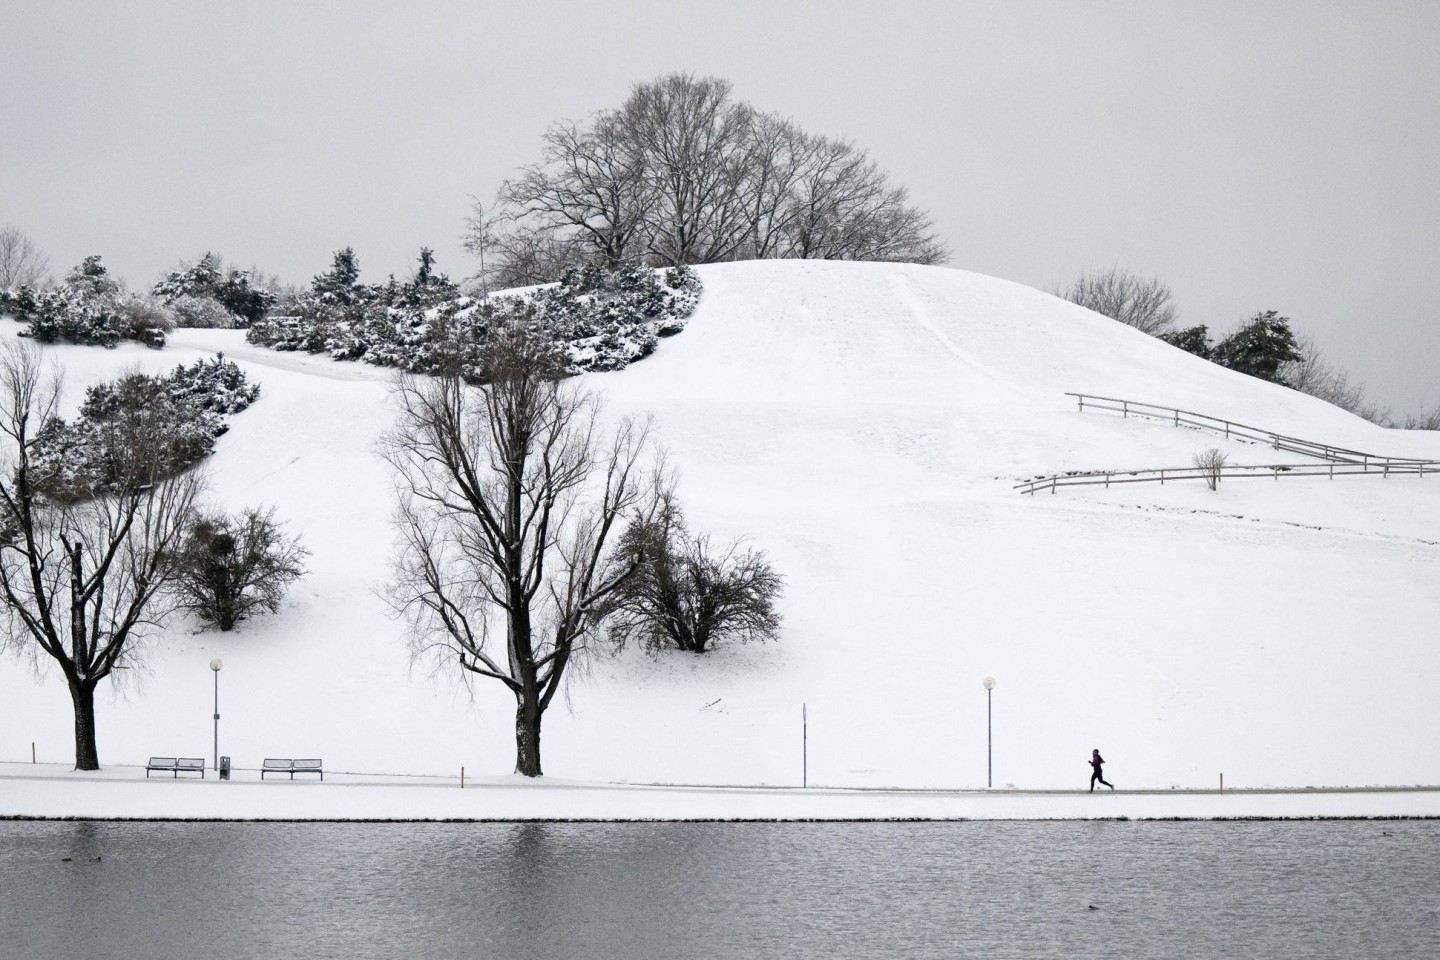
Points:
(864, 424)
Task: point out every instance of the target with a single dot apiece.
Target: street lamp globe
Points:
(216, 664)
(989, 681)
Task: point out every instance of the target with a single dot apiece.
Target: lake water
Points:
(1353, 889)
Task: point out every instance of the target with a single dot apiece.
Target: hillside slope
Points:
(863, 423)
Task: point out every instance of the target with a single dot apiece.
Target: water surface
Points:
(242, 890)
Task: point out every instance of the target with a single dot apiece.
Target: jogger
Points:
(1095, 761)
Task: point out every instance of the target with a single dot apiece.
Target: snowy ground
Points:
(864, 424)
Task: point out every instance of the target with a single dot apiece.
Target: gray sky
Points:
(1254, 155)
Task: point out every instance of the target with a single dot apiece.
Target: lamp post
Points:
(215, 665)
(989, 738)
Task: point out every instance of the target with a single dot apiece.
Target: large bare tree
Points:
(509, 498)
(83, 577)
(682, 172)
(695, 147)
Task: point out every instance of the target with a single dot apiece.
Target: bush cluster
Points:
(88, 308)
(603, 319)
(209, 295)
(139, 429)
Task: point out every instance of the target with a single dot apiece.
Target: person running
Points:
(1095, 762)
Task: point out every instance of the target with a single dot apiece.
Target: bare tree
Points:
(684, 173)
(516, 252)
(689, 596)
(21, 262)
(1424, 420)
(1136, 301)
(83, 580)
(695, 145)
(509, 500)
(234, 566)
(779, 154)
(589, 185)
(1314, 375)
(1211, 463)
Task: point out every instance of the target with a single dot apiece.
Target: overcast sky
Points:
(1254, 155)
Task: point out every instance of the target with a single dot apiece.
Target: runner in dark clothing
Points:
(1095, 761)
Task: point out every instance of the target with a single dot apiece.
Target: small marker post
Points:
(462, 778)
(32, 751)
(804, 747)
(1222, 783)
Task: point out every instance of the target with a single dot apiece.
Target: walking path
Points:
(56, 791)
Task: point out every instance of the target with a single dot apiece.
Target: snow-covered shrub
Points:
(143, 320)
(232, 291)
(140, 425)
(89, 308)
(64, 315)
(218, 386)
(202, 312)
(605, 319)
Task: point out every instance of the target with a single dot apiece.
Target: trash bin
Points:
(224, 768)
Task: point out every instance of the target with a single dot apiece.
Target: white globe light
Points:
(989, 683)
(216, 664)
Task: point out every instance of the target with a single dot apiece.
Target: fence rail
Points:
(1337, 461)
(1229, 428)
(1266, 471)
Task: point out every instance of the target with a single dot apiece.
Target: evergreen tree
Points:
(1194, 340)
(339, 284)
(91, 278)
(1259, 346)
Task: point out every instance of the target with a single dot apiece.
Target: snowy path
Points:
(232, 344)
(54, 791)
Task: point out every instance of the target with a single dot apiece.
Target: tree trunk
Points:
(527, 736)
(87, 756)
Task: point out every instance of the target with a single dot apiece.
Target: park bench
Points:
(176, 766)
(292, 767)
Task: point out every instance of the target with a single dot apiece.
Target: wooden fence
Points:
(1338, 461)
